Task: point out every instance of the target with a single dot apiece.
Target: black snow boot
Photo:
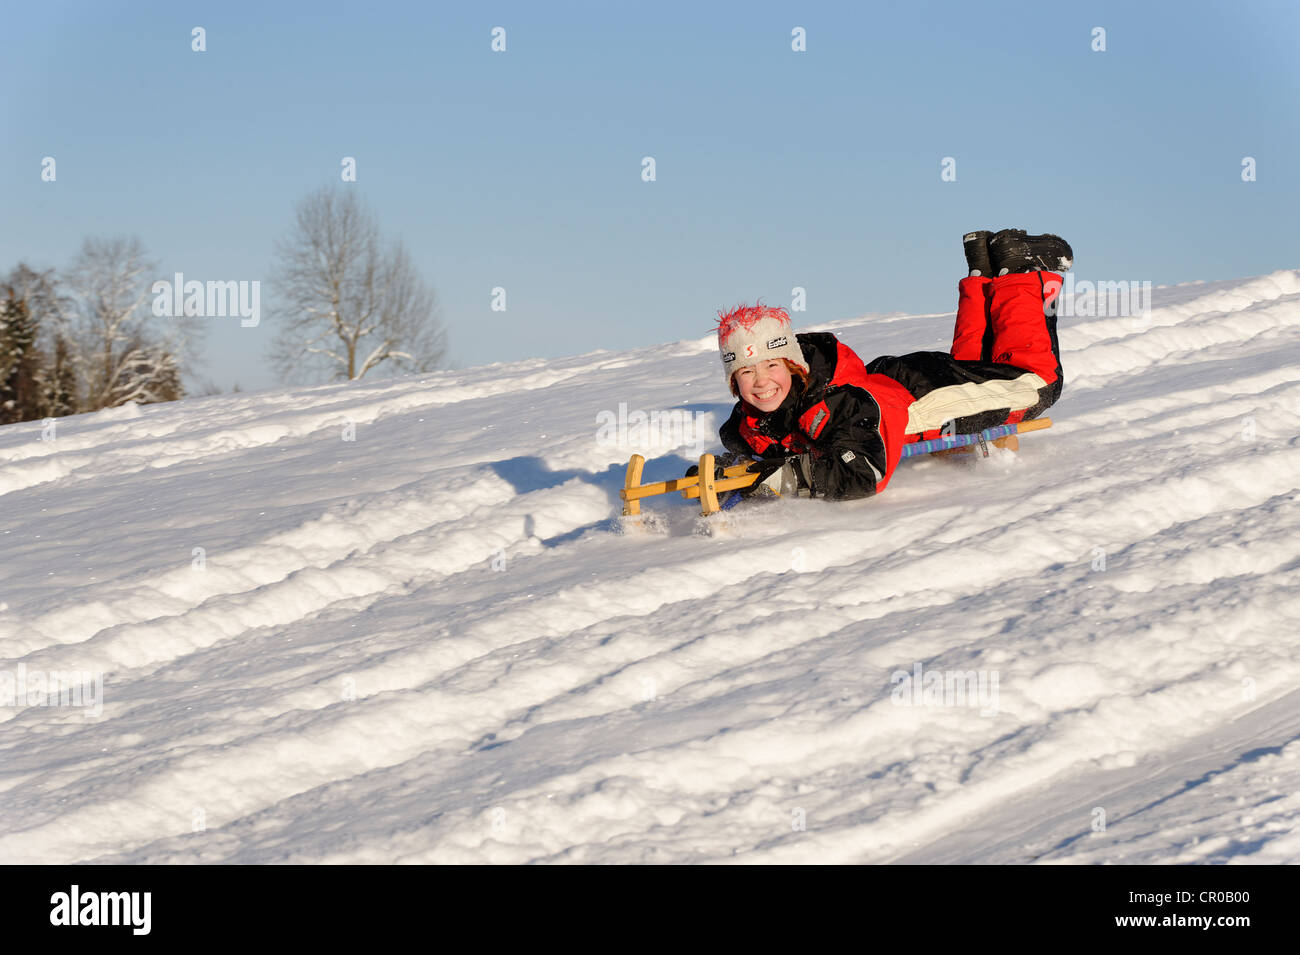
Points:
(1011, 250)
(976, 246)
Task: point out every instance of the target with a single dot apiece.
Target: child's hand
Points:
(720, 463)
(765, 468)
(786, 476)
(718, 470)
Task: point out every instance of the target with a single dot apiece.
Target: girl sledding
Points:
(812, 419)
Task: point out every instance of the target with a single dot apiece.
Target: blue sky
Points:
(775, 169)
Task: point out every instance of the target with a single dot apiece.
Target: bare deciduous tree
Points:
(119, 354)
(347, 303)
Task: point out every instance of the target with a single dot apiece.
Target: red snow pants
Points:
(1002, 320)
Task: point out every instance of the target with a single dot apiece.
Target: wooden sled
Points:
(706, 487)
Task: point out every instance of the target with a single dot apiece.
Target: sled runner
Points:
(1003, 435)
(708, 488)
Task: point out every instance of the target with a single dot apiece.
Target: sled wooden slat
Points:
(632, 505)
(708, 486)
(635, 492)
(1038, 424)
(726, 484)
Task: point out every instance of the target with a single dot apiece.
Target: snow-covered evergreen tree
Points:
(20, 361)
(59, 381)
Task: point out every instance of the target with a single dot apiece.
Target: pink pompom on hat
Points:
(749, 334)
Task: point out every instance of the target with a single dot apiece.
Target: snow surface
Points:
(433, 644)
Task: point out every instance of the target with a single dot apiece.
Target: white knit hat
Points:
(749, 334)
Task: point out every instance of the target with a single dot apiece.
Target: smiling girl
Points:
(826, 425)
(766, 384)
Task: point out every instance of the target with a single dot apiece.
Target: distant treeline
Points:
(84, 339)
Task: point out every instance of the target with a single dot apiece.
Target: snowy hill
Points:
(394, 622)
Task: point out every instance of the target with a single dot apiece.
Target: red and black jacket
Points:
(851, 421)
